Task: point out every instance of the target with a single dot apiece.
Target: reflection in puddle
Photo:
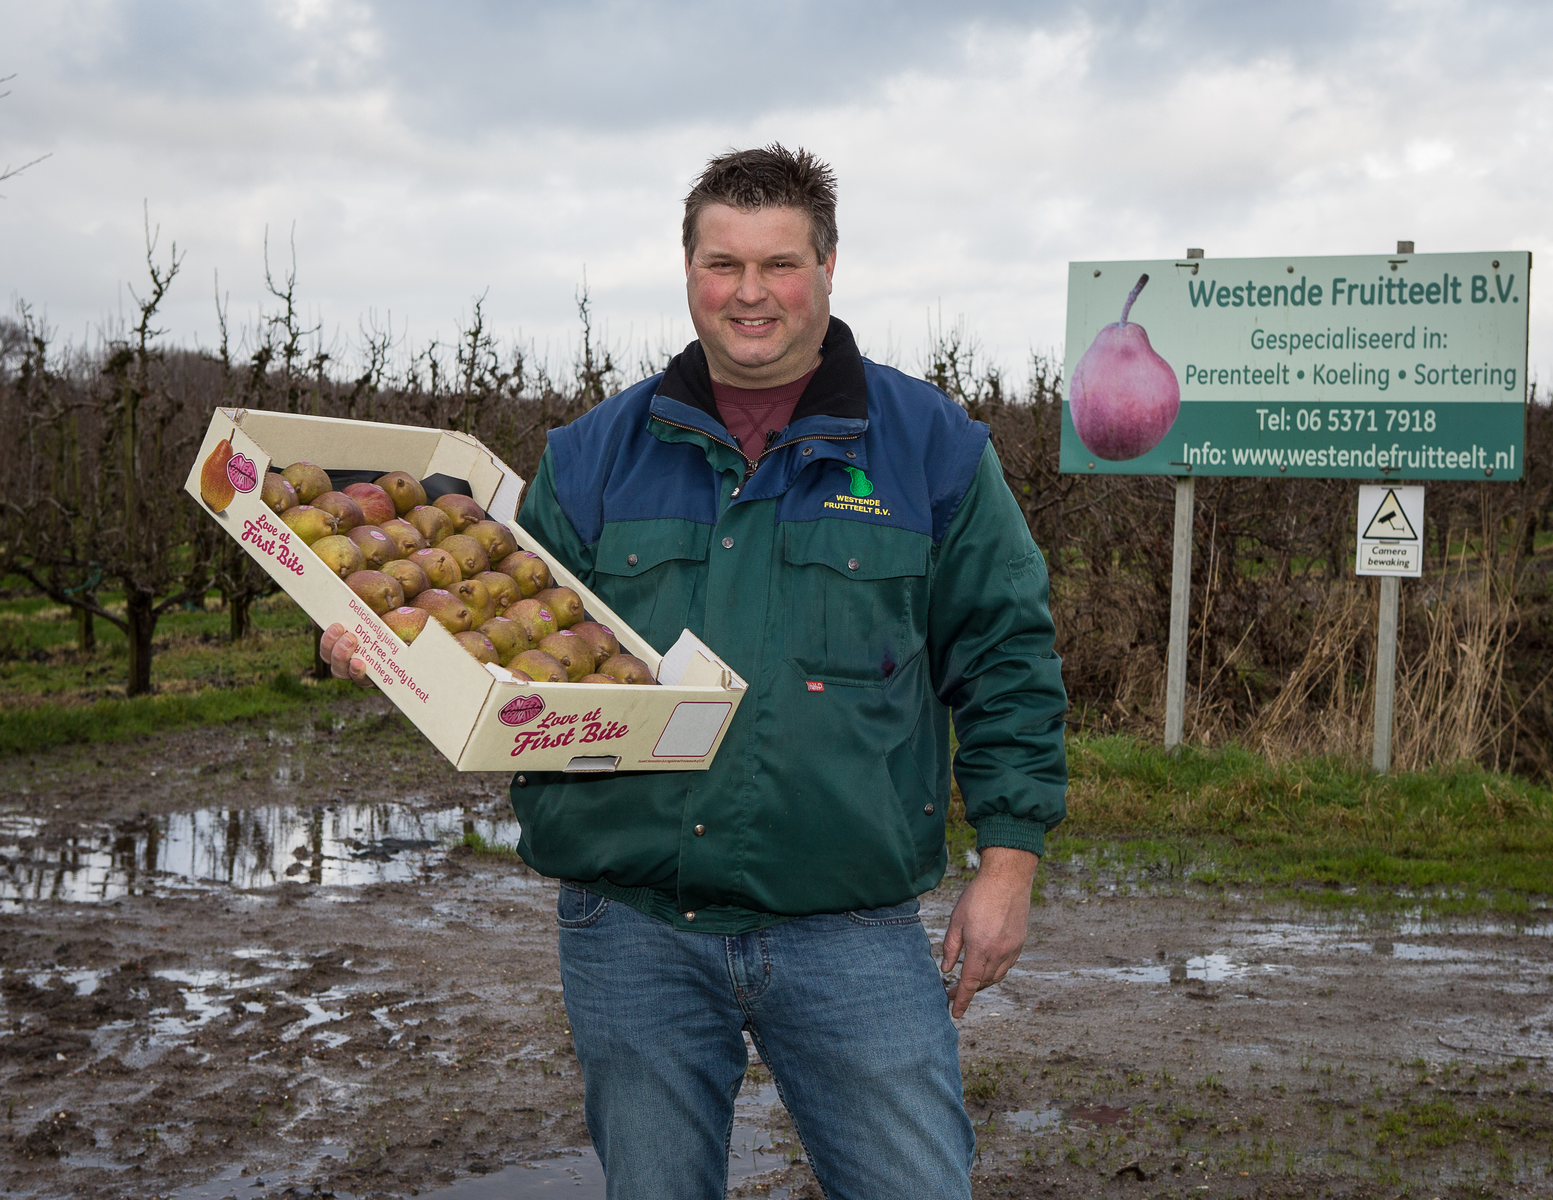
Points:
(1276, 947)
(1054, 1120)
(234, 1178)
(1046, 1120)
(340, 845)
(1209, 968)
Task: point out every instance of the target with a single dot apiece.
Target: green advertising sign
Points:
(1403, 367)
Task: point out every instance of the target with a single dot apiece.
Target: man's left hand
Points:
(989, 922)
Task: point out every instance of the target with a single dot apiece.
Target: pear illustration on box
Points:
(1123, 396)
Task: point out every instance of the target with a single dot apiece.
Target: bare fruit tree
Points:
(97, 448)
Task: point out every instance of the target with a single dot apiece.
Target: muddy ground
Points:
(247, 963)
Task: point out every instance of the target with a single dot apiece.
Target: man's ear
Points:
(830, 269)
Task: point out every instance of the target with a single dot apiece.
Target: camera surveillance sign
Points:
(1391, 522)
(1398, 367)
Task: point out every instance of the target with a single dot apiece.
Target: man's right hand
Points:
(338, 648)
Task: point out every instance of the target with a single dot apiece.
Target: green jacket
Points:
(871, 576)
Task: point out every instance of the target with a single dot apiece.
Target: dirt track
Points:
(342, 1006)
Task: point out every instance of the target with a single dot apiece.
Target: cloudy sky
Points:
(427, 153)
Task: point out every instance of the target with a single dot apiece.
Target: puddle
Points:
(1209, 968)
(1054, 1120)
(341, 845)
(577, 1174)
(234, 1183)
(1277, 947)
(1046, 1120)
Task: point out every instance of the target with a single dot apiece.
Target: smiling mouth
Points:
(754, 322)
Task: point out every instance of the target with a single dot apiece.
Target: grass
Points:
(1456, 838)
(482, 847)
(39, 661)
(51, 694)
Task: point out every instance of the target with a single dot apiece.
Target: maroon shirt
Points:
(752, 414)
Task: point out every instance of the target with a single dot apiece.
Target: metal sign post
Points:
(1390, 545)
(1180, 597)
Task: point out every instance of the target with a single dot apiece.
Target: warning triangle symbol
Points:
(1390, 523)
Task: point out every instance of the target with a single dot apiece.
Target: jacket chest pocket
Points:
(856, 600)
(653, 573)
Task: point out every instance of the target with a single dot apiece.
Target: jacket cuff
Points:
(1001, 829)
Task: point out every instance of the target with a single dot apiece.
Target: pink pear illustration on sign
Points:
(1123, 397)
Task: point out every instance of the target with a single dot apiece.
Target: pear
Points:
(377, 591)
(601, 637)
(310, 480)
(405, 490)
(431, 523)
(625, 669)
(537, 620)
(409, 576)
(467, 553)
(564, 603)
(404, 535)
(528, 571)
(346, 510)
(277, 493)
(310, 523)
(494, 537)
(538, 666)
(597, 678)
(376, 504)
(504, 591)
(340, 555)
(215, 488)
(477, 644)
(375, 545)
(406, 622)
(441, 570)
(572, 652)
(477, 599)
(445, 608)
(1123, 397)
(461, 510)
(507, 636)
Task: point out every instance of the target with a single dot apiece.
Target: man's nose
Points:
(752, 289)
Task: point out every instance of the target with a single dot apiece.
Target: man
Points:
(841, 534)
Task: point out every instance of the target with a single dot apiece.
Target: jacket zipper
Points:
(753, 465)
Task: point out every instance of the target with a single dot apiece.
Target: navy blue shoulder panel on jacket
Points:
(921, 451)
(609, 467)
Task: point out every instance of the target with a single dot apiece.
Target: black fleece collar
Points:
(838, 389)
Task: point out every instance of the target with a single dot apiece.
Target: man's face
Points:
(759, 296)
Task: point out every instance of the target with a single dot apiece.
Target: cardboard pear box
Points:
(480, 716)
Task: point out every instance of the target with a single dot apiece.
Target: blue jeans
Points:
(848, 1010)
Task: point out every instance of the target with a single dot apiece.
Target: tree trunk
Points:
(320, 663)
(85, 629)
(140, 620)
(237, 609)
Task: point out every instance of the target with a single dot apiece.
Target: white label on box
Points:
(692, 730)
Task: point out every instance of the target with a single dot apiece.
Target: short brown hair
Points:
(771, 176)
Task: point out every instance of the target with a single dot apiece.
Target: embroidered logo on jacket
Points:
(858, 504)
